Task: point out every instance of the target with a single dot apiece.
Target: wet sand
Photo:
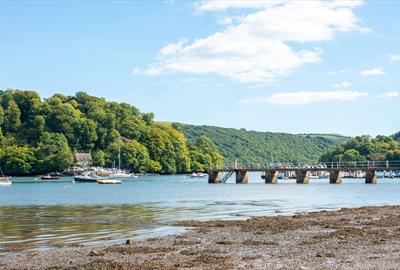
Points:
(361, 238)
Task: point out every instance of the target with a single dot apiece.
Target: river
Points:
(41, 215)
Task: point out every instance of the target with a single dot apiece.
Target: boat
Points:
(197, 175)
(5, 180)
(49, 177)
(109, 181)
(88, 177)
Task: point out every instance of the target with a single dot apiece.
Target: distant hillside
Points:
(396, 136)
(257, 147)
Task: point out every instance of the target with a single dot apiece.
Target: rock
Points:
(95, 253)
(128, 242)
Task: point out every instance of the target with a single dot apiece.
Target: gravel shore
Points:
(361, 238)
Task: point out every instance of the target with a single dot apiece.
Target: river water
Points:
(41, 215)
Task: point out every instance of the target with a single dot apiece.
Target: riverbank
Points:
(361, 238)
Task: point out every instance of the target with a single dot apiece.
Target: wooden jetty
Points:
(302, 171)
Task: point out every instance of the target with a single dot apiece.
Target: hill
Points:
(259, 147)
(39, 136)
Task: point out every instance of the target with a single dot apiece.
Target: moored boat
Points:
(4, 180)
(197, 175)
(109, 181)
(88, 177)
(49, 177)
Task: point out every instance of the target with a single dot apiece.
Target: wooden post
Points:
(214, 177)
(302, 177)
(335, 177)
(271, 177)
(241, 177)
(370, 177)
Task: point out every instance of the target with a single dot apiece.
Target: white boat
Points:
(197, 175)
(109, 181)
(88, 177)
(5, 180)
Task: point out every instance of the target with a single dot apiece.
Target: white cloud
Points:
(373, 72)
(340, 71)
(342, 85)
(307, 97)
(390, 94)
(394, 57)
(256, 48)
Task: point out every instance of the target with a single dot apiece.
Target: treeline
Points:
(260, 147)
(39, 136)
(364, 148)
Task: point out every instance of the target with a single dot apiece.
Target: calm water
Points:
(38, 215)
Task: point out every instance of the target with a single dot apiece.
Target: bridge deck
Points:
(302, 171)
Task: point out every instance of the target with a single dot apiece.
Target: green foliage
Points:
(364, 148)
(17, 160)
(260, 147)
(38, 136)
(204, 154)
(99, 158)
(134, 155)
(395, 136)
(52, 153)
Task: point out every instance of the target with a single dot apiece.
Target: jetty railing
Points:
(369, 164)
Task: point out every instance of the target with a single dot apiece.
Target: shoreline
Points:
(351, 238)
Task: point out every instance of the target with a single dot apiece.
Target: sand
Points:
(361, 238)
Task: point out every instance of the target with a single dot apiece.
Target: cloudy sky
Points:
(287, 66)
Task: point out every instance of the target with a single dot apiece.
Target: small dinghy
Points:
(4, 180)
(109, 181)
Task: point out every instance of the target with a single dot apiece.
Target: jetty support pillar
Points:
(242, 177)
(302, 177)
(214, 177)
(335, 177)
(271, 177)
(370, 177)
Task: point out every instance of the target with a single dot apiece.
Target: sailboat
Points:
(4, 180)
(118, 172)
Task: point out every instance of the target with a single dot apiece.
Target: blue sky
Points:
(298, 67)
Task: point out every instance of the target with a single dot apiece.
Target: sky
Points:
(280, 66)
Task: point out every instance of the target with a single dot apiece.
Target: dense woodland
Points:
(39, 136)
(260, 147)
(363, 148)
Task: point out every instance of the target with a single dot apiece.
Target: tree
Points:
(17, 160)
(134, 156)
(53, 153)
(99, 158)
(12, 119)
(204, 154)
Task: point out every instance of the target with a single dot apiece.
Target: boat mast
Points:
(119, 157)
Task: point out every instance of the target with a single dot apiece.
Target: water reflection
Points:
(43, 227)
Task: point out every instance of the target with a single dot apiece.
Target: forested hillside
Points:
(396, 136)
(258, 147)
(39, 136)
(363, 148)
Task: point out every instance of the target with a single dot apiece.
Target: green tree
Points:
(53, 153)
(99, 158)
(16, 160)
(134, 156)
(12, 120)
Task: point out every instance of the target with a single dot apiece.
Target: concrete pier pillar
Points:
(241, 177)
(271, 177)
(214, 177)
(335, 177)
(302, 177)
(370, 177)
